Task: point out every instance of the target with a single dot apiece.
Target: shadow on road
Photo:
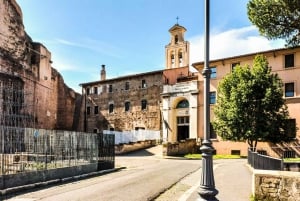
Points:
(143, 152)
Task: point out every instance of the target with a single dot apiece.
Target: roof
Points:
(244, 55)
(176, 26)
(120, 78)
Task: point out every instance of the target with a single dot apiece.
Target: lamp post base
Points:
(207, 190)
(207, 194)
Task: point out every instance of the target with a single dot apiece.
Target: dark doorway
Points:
(183, 128)
(183, 132)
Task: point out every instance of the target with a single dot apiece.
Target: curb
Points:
(16, 189)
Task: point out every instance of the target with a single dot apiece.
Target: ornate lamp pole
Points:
(207, 189)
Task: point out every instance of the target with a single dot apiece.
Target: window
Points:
(183, 104)
(176, 39)
(144, 85)
(88, 110)
(96, 110)
(183, 121)
(110, 88)
(95, 90)
(233, 65)
(212, 97)
(126, 85)
(213, 72)
(172, 60)
(111, 108)
(180, 59)
(289, 89)
(289, 60)
(144, 104)
(213, 134)
(127, 106)
(87, 91)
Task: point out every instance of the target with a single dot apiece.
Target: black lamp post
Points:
(207, 189)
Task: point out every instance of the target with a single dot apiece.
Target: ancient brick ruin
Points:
(37, 89)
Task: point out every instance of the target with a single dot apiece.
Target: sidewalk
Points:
(233, 180)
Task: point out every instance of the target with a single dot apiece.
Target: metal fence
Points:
(281, 151)
(264, 162)
(126, 137)
(28, 149)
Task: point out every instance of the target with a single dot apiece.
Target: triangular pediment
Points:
(176, 27)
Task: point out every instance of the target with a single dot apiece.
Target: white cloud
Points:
(93, 45)
(62, 65)
(233, 42)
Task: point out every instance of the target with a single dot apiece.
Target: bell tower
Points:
(178, 50)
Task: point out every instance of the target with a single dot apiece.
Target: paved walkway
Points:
(233, 180)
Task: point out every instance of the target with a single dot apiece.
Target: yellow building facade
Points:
(284, 62)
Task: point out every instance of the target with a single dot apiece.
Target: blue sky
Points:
(129, 36)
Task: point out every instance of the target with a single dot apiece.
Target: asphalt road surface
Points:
(146, 175)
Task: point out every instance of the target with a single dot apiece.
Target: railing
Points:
(126, 137)
(28, 149)
(264, 162)
(281, 151)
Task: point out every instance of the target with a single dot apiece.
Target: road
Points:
(145, 177)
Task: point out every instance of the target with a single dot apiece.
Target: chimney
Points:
(103, 73)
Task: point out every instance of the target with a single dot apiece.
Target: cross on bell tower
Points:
(178, 50)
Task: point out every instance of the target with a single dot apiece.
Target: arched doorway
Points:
(183, 120)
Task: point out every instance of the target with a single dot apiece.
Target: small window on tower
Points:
(176, 39)
(180, 58)
(172, 60)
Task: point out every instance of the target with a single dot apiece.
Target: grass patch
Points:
(291, 159)
(218, 156)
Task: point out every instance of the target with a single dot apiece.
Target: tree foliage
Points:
(250, 105)
(276, 19)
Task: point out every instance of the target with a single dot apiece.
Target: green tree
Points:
(250, 105)
(276, 19)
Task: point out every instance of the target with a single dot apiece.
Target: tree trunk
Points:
(252, 144)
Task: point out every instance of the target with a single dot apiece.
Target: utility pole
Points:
(207, 189)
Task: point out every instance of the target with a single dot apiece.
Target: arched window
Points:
(180, 58)
(172, 60)
(183, 104)
(176, 39)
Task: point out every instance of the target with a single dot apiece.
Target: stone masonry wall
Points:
(188, 146)
(120, 119)
(276, 185)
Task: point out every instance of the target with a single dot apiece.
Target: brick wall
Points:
(50, 102)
